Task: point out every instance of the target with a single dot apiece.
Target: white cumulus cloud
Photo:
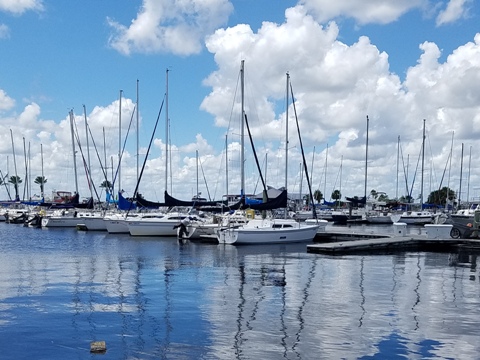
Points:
(455, 10)
(364, 12)
(176, 26)
(18, 7)
(6, 102)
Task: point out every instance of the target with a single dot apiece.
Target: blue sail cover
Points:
(250, 201)
(124, 204)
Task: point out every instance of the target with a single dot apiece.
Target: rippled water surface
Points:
(156, 298)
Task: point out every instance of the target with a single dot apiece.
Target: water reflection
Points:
(158, 298)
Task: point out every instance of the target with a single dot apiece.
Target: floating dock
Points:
(353, 243)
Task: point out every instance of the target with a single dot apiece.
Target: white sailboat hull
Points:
(268, 232)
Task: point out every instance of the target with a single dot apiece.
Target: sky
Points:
(407, 66)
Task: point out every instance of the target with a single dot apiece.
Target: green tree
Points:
(374, 194)
(317, 195)
(41, 180)
(336, 195)
(383, 197)
(439, 197)
(107, 185)
(15, 180)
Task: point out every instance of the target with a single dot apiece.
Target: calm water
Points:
(156, 298)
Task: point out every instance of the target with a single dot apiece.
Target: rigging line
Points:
(404, 170)
(255, 155)
(85, 165)
(415, 173)
(123, 147)
(3, 182)
(258, 179)
(303, 153)
(146, 157)
(98, 155)
(205, 180)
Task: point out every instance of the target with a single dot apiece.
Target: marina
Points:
(160, 298)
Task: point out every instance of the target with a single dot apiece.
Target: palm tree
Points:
(15, 180)
(336, 195)
(317, 195)
(107, 185)
(41, 180)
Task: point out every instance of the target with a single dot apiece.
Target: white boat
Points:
(154, 226)
(463, 216)
(118, 223)
(93, 222)
(416, 217)
(268, 231)
(68, 218)
(198, 228)
(382, 217)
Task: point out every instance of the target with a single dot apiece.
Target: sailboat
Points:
(420, 217)
(267, 230)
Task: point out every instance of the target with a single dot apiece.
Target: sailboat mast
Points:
(43, 178)
(423, 165)
(461, 174)
(74, 151)
(242, 131)
(14, 158)
(325, 175)
(120, 142)
(226, 166)
(366, 162)
(286, 130)
(29, 173)
(398, 159)
(88, 153)
(197, 173)
(469, 168)
(25, 188)
(166, 132)
(138, 122)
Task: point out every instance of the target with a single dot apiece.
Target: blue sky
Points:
(383, 59)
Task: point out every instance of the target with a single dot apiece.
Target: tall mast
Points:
(29, 173)
(74, 151)
(25, 188)
(469, 168)
(166, 133)
(461, 174)
(398, 159)
(120, 142)
(43, 182)
(226, 165)
(286, 131)
(14, 158)
(325, 176)
(242, 132)
(197, 174)
(366, 161)
(423, 165)
(88, 153)
(138, 141)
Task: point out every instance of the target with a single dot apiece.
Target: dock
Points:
(353, 243)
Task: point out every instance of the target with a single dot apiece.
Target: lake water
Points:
(157, 298)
